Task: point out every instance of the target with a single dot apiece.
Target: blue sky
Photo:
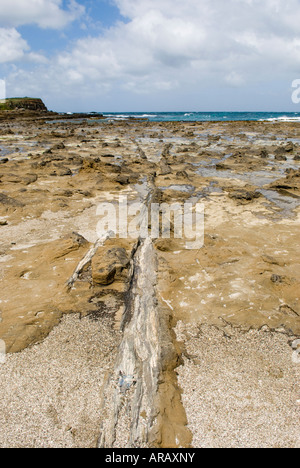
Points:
(152, 55)
(99, 15)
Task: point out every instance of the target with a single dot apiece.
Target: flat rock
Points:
(108, 265)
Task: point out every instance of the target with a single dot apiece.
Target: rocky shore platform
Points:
(142, 342)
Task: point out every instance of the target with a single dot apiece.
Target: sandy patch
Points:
(240, 389)
(51, 393)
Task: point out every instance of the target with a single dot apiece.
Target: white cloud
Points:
(44, 13)
(192, 39)
(33, 57)
(234, 79)
(167, 45)
(12, 46)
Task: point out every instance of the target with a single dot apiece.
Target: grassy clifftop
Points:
(26, 103)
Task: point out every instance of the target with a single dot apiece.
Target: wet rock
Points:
(282, 150)
(59, 146)
(67, 193)
(238, 154)
(30, 179)
(294, 173)
(289, 147)
(85, 193)
(291, 183)
(182, 175)
(264, 154)
(166, 150)
(141, 153)
(5, 200)
(77, 160)
(122, 180)
(277, 279)
(164, 169)
(183, 150)
(244, 195)
(89, 165)
(65, 172)
(112, 168)
(213, 138)
(222, 167)
(280, 157)
(56, 158)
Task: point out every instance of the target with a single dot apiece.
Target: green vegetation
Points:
(27, 103)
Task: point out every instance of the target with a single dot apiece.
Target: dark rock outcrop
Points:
(29, 104)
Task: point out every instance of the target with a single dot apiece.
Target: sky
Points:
(152, 55)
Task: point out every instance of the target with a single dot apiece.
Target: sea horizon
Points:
(204, 116)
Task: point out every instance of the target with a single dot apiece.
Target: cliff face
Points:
(30, 104)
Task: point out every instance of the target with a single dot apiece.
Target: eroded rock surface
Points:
(53, 176)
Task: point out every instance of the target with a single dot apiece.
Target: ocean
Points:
(207, 116)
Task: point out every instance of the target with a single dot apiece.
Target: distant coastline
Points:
(27, 104)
